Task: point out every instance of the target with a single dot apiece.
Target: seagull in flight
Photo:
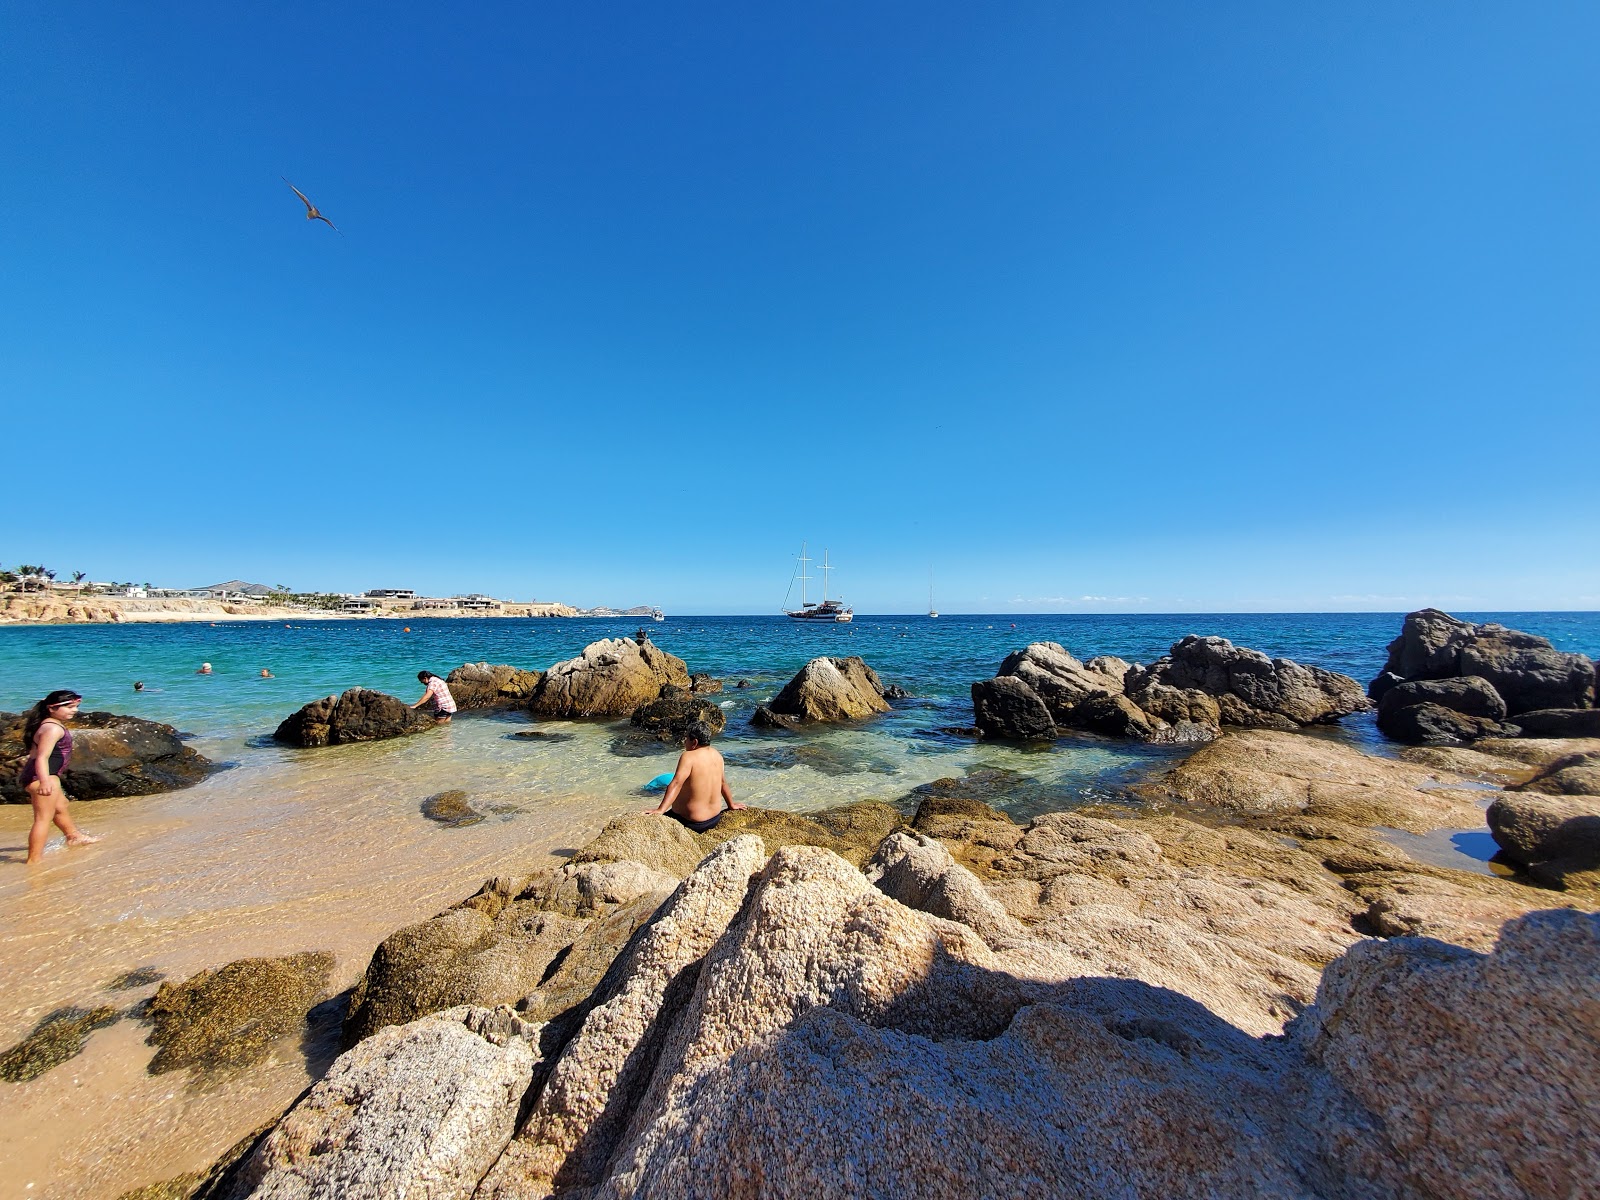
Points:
(311, 209)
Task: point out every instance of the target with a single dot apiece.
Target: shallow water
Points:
(328, 849)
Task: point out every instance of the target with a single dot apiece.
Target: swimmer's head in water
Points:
(205, 669)
(138, 685)
(698, 732)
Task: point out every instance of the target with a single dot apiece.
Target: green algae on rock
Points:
(61, 1035)
(452, 809)
(230, 1017)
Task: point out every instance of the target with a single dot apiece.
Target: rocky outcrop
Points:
(1250, 689)
(357, 715)
(610, 678)
(831, 689)
(1060, 680)
(231, 1016)
(1556, 838)
(669, 717)
(420, 1110)
(1526, 671)
(112, 755)
(1431, 724)
(483, 685)
(1006, 707)
(1560, 723)
(704, 685)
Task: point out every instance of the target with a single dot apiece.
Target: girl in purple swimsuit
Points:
(49, 749)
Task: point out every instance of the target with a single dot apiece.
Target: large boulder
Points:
(1560, 723)
(1079, 695)
(1556, 837)
(1471, 695)
(1526, 670)
(1569, 775)
(1250, 689)
(357, 715)
(1006, 707)
(112, 755)
(492, 685)
(1059, 679)
(831, 689)
(1430, 724)
(611, 678)
(420, 1110)
(670, 716)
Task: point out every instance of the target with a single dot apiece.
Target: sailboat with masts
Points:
(932, 611)
(826, 610)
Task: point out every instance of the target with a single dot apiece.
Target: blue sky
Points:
(1115, 307)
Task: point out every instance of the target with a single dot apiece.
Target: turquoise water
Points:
(936, 660)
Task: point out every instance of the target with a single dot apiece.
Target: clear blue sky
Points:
(1124, 306)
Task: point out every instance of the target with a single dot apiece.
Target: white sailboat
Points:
(932, 611)
(827, 610)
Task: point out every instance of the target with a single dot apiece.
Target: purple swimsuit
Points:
(60, 755)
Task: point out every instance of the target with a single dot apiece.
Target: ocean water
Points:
(289, 849)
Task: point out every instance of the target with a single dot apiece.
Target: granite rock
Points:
(112, 755)
(1006, 707)
(484, 685)
(1251, 689)
(611, 678)
(356, 715)
(831, 689)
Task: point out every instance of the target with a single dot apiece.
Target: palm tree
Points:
(77, 580)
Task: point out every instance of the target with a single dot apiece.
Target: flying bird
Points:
(311, 209)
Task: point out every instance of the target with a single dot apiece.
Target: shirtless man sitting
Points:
(698, 788)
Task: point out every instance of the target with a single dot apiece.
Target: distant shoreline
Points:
(55, 609)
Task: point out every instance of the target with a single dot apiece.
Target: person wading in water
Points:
(48, 743)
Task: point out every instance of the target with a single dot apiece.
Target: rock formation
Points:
(112, 755)
(831, 689)
(611, 678)
(1526, 671)
(1250, 689)
(1101, 1005)
(1186, 696)
(671, 715)
(357, 715)
(498, 685)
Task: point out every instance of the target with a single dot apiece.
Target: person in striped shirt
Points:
(443, 702)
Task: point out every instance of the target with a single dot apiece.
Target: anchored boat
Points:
(824, 610)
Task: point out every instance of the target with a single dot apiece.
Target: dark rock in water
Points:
(139, 977)
(1250, 689)
(484, 685)
(358, 715)
(960, 731)
(743, 683)
(893, 691)
(820, 756)
(704, 685)
(1006, 707)
(112, 755)
(636, 743)
(611, 678)
(1560, 723)
(451, 809)
(1557, 838)
(1527, 671)
(831, 689)
(230, 1017)
(59, 1036)
(669, 718)
(765, 718)
(985, 785)
(540, 735)
(1434, 724)
(1469, 695)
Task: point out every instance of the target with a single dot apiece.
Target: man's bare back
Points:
(699, 787)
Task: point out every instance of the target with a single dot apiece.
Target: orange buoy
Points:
(408, 629)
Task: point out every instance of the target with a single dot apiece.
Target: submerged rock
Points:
(452, 809)
(611, 678)
(112, 755)
(831, 689)
(1525, 670)
(483, 685)
(230, 1017)
(357, 715)
(704, 685)
(60, 1035)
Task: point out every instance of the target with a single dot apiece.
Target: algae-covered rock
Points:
(229, 1017)
(357, 715)
(61, 1035)
(452, 809)
(668, 718)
